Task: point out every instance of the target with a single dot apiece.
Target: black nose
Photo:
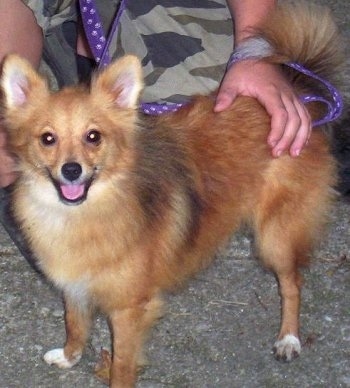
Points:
(71, 171)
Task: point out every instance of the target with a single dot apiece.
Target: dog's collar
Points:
(100, 48)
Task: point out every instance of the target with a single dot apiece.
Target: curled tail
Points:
(305, 33)
(304, 36)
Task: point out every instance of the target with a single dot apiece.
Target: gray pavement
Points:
(218, 330)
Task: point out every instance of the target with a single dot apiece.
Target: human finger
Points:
(292, 123)
(225, 97)
(304, 131)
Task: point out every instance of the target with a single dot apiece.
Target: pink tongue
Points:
(72, 192)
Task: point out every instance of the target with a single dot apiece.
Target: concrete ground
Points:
(218, 331)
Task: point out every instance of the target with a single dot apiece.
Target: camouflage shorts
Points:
(52, 13)
(184, 47)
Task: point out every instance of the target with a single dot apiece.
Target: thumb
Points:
(224, 99)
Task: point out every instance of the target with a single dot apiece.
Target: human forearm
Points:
(290, 121)
(248, 14)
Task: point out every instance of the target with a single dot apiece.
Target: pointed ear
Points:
(19, 81)
(122, 80)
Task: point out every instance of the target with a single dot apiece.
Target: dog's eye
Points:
(93, 137)
(48, 139)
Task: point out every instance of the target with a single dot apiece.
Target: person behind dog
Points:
(184, 50)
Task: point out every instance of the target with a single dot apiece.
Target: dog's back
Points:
(229, 151)
(234, 180)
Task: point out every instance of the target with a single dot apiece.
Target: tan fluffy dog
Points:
(118, 208)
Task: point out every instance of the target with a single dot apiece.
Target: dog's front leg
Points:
(130, 327)
(78, 316)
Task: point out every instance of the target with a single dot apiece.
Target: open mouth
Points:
(72, 193)
(72, 184)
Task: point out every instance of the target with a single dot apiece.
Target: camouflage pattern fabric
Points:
(58, 19)
(52, 13)
(184, 45)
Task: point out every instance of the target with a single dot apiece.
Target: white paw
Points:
(287, 348)
(57, 357)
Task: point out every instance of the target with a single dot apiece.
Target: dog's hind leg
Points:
(287, 346)
(284, 239)
(78, 319)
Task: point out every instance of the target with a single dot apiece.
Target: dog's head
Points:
(72, 140)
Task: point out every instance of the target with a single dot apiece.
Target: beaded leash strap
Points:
(99, 46)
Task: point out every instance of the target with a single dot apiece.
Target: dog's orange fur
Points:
(166, 192)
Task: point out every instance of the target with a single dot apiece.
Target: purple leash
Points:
(99, 46)
(95, 35)
(334, 108)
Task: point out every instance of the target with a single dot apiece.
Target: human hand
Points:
(290, 120)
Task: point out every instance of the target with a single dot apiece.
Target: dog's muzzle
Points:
(72, 187)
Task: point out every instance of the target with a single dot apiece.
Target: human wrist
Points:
(251, 48)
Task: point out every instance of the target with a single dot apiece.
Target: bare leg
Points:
(26, 41)
(82, 43)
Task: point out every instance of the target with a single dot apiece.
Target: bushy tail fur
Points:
(306, 33)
